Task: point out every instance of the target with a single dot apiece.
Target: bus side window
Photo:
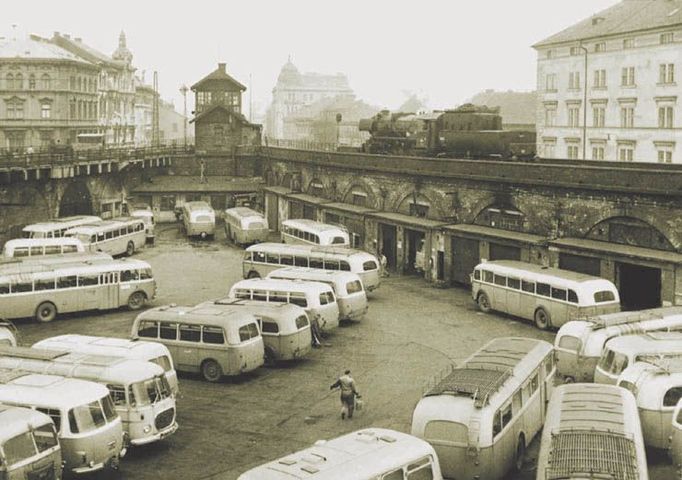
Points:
(549, 364)
(420, 470)
(118, 394)
(497, 424)
(534, 383)
(213, 335)
(100, 237)
(487, 276)
(168, 330)
(278, 297)
(190, 333)
(572, 296)
(323, 298)
(123, 231)
(86, 280)
(108, 235)
(477, 274)
(316, 239)
(21, 252)
(148, 329)
(500, 280)
(301, 261)
(272, 258)
(260, 294)
(331, 264)
(268, 326)
(4, 288)
(286, 260)
(506, 415)
(672, 396)
(22, 287)
(55, 249)
(344, 266)
(54, 415)
(44, 284)
(559, 293)
(316, 263)
(394, 475)
(242, 293)
(514, 283)
(93, 238)
(36, 251)
(298, 299)
(259, 257)
(527, 286)
(543, 289)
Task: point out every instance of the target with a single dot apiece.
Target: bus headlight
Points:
(147, 429)
(91, 463)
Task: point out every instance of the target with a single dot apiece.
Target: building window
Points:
(666, 73)
(575, 51)
(598, 115)
(627, 77)
(626, 152)
(598, 152)
(72, 109)
(550, 53)
(550, 116)
(572, 151)
(600, 78)
(573, 116)
(72, 83)
(15, 108)
(550, 82)
(627, 116)
(574, 81)
(360, 199)
(18, 81)
(549, 149)
(667, 37)
(665, 117)
(9, 80)
(45, 83)
(45, 110)
(628, 43)
(31, 82)
(600, 47)
(419, 210)
(665, 156)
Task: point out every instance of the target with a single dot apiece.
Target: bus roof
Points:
(650, 341)
(313, 274)
(243, 212)
(197, 205)
(620, 318)
(57, 223)
(32, 389)
(282, 285)
(312, 225)
(372, 451)
(272, 308)
(44, 269)
(104, 225)
(271, 247)
(512, 266)
(204, 314)
(17, 420)
(106, 345)
(593, 433)
(33, 242)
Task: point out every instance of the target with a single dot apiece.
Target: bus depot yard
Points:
(411, 333)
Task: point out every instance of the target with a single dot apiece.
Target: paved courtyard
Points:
(411, 333)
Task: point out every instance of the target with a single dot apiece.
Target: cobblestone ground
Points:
(412, 332)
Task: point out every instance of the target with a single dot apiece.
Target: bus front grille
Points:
(165, 419)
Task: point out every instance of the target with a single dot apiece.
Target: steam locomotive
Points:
(469, 131)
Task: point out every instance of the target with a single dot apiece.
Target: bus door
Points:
(186, 354)
(109, 290)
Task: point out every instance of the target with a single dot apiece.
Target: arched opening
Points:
(76, 200)
(630, 231)
(360, 195)
(504, 216)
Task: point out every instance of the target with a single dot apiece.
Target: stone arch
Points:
(630, 230)
(419, 198)
(316, 187)
(76, 199)
(360, 187)
(502, 214)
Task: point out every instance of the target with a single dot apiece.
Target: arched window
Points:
(31, 82)
(45, 82)
(19, 81)
(10, 81)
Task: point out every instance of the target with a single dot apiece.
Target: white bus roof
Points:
(282, 285)
(17, 420)
(100, 368)
(647, 342)
(372, 451)
(243, 212)
(652, 378)
(59, 223)
(197, 205)
(103, 345)
(32, 389)
(510, 267)
(104, 225)
(312, 225)
(45, 270)
(204, 314)
(42, 242)
(293, 249)
(284, 314)
(315, 275)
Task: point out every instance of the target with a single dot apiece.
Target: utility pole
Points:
(250, 100)
(155, 112)
(584, 49)
(183, 90)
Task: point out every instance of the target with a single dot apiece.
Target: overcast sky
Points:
(445, 50)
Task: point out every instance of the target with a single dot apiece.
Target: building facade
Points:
(48, 95)
(219, 124)
(607, 86)
(295, 90)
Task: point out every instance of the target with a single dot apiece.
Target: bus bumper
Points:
(156, 437)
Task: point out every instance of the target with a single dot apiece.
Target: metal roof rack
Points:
(477, 383)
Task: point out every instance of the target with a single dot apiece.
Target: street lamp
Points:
(584, 49)
(183, 90)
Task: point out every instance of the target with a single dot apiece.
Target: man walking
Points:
(348, 394)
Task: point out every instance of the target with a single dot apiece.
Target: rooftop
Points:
(35, 47)
(183, 183)
(219, 74)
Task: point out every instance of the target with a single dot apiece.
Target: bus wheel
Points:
(484, 302)
(130, 249)
(253, 274)
(520, 453)
(46, 312)
(569, 379)
(211, 371)
(542, 320)
(136, 300)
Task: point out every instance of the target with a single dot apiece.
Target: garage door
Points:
(465, 257)
(504, 252)
(578, 263)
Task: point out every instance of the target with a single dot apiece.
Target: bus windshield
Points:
(150, 391)
(85, 418)
(613, 362)
(604, 296)
(162, 362)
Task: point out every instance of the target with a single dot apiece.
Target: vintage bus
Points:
(369, 454)
(116, 347)
(549, 296)
(198, 219)
(347, 286)
(57, 227)
(42, 291)
(147, 216)
(29, 447)
(579, 343)
(316, 298)
(89, 429)
(592, 431)
(310, 232)
(261, 259)
(214, 340)
(284, 326)
(481, 416)
(8, 333)
(245, 226)
(656, 384)
(620, 352)
(21, 248)
(142, 396)
(122, 235)
(675, 440)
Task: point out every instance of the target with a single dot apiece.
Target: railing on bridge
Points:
(300, 144)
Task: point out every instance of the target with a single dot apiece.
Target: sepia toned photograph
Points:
(314, 240)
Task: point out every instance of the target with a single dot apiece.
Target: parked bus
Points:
(243, 225)
(142, 396)
(347, 286)
(317, 299)
(482, 415)
(116, 347)
(549, 296)
(622, 351)
(310, 232)
(579, 343)
(285, 327)
(89, 429)
(8, 333)
(656, 384)
(198, 219)
(369, 454)
(147, 216)
(56, 228)
(592, 432)
(122, 235)
(213, 340)
(29, 447)
(42, 291)
(676, 439)
(261, 259)
(20, 248)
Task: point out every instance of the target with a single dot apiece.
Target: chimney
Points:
(221, 67)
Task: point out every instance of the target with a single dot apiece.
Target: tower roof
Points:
(219, 74)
